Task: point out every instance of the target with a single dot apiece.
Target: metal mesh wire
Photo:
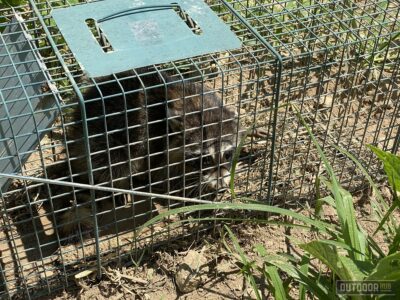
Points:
(336, 61)
(340, 69)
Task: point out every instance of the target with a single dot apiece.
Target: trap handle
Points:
(136, 10)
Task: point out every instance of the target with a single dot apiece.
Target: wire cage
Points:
(340, 71)
(85, 161)
(113, 151)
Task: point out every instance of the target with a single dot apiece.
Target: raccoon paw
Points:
(76, 223)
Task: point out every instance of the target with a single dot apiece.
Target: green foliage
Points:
(345, 250)
(247, 268)
(343, 201)
(391, 165)
(7, 3)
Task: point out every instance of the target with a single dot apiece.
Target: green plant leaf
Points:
(260, 249)
(312, 283)
(337, 244)
(276, 284)
(360, 269)
(378, 206)
(388, 268)
(320, 225)
(288, 264)
(395, 204)
(391, 165)
(395, 244)
(247, 269)
(12, 2)
(343, 200)
(304, 266)
(328, 255)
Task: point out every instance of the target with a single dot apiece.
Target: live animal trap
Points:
(112, 111)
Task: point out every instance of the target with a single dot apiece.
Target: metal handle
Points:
(136, 10)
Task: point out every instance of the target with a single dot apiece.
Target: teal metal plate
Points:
(25, 112)
(141, 35)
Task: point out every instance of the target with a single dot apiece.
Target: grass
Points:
(345, 250)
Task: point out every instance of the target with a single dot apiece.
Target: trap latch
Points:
(113, 36)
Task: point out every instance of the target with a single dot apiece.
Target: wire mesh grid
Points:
(336, 61)
(341, 71)
(53, 231)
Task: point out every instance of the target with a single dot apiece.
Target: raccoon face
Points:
(204, 137)
(210, 168)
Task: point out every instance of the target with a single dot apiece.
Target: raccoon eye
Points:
(228, 155)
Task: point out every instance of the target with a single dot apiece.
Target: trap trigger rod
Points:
(136, 10)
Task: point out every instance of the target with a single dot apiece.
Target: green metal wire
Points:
(85, 128)
(337, 62)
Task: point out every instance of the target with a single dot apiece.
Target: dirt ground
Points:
(157, 276)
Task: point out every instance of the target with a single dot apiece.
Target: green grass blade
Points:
(311, 282)
(286, 263)
(247, 265)
(320, 225)
(278, 291)
(378, 207)
(395, 204)
(318, 202)
(304, 267)
(358, 269)
(395, 244)
(328, 255)
(343, 199)
(391, 165)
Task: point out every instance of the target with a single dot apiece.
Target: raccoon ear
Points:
(175, 120)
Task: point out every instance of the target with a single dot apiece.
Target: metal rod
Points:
(104, 188)
(136, 10)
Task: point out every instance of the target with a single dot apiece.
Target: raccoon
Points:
(147, 131)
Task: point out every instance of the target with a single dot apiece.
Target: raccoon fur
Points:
(146, 132)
